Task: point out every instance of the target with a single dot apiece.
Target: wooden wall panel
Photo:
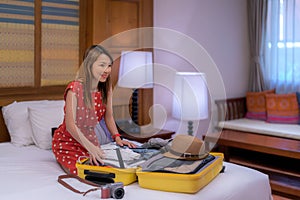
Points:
(123, 16)
(107, 18)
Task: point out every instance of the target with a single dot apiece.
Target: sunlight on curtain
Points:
(282, 48)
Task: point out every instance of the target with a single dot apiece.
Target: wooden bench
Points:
(276, 156)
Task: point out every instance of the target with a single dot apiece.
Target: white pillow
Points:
(17, 122)
(43, 119)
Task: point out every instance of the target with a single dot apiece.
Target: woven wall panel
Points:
(16, 43)
(60, 41)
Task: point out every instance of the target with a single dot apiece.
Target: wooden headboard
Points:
(7, 99)
(4, 136)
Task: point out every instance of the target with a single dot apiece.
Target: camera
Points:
(113, 190)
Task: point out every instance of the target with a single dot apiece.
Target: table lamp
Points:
(136, 71)
(190, 101)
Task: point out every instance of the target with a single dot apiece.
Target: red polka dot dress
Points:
(65, 148)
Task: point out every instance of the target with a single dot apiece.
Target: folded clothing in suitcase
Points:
(181, 182)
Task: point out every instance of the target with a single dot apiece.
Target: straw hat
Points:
(186, 147)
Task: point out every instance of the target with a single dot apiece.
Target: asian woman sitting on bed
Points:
(88, 99)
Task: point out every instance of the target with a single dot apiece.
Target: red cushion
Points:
(282, 108)
(256, 104)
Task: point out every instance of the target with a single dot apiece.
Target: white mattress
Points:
(262, 127)
(31, 173)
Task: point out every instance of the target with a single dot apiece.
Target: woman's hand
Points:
(121, 143)
(96, 153)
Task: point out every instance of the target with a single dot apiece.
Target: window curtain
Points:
(282, 46)
(257, 15)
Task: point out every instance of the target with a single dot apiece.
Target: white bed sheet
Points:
(261, 127)
(31, 173)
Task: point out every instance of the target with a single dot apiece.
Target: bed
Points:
(31, 172)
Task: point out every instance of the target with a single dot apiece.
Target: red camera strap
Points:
(66, 176)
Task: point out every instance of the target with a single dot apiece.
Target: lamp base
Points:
(129, 127)
(190, 128)
(135, 106)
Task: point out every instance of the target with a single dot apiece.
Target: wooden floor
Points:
(275, 197)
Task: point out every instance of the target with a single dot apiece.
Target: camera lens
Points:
(118, 193)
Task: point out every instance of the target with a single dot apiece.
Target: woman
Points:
(87, 100)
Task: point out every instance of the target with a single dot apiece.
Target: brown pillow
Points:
(256, 104)
(282, 108)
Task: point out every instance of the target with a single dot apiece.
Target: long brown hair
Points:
(85, 74)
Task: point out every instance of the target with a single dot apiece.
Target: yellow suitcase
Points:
(184, 183)
(126, 176)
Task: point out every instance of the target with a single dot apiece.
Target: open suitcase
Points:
(172, 182)
(185, 183)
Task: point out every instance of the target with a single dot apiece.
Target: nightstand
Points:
(142, 138)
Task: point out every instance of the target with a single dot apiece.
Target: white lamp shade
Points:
(190, 96)
(136, 69)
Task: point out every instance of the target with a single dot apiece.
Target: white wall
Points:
(220, 26)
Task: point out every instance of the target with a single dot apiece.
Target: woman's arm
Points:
(111, 124)
(95, 152)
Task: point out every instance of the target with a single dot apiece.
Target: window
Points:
(282, 47)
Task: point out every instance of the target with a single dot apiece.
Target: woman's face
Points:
(101, 68)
